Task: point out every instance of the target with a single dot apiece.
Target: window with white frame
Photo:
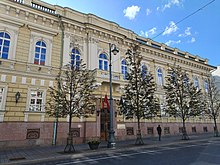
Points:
(206, 86)
(144, 70)
(36, 100)
(124, 68)
(75, 57)
(40, 53)
(186, 80)
(196, 82)
(159, 77)
(103, 62)
(4, 45)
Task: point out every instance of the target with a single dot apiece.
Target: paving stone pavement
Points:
(12, 156)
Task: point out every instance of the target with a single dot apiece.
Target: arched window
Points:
(144, 71)
(75, 57)
(159, 77)
(196, 82)
(186, 80)
(40, 53)
(103, 62)
(124, 68)
(4, 45)
(206, 86)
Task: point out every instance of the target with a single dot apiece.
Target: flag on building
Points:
(105, 103)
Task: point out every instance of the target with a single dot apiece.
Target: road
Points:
(193, 153)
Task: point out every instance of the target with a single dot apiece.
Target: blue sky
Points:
(198, 33)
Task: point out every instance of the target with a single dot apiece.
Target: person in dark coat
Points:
(159, 130)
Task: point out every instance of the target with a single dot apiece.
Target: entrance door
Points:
(105, 124)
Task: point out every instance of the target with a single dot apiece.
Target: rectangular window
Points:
(160, 80)
(36, 61)
(36, 101)
(43, 51)
(43, 57)
(100, 64)
(105, 65)
(37, 49)
(150, 130)
(166, 130)
(5, 55)
(193, 129)
(180, 129)
(130, 130)
(205, 129)
(75, 132)
(5, 49)
(42, 62)
(72, 61)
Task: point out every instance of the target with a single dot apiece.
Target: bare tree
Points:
(72, 96)
(212, 101)
(183, 99)
(138, 98)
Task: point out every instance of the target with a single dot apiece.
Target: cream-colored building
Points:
(37, 38)
(216, 75)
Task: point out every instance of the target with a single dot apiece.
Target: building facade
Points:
(36, 39)
(216, 75)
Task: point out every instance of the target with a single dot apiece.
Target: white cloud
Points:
(170, 29)
(171, 3)
(192, 40)
(149, 32)
(148, 11)
(186, 33)
(142, 33)
(171, 42)
(158, 8)
(131, 11)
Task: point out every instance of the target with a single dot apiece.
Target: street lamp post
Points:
(111, 139)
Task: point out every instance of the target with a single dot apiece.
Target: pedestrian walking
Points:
(159, 130)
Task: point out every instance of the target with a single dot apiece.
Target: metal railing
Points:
(40, 7)
(19, 1)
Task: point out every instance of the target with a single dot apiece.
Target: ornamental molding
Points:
(44, 30)
(23, 14)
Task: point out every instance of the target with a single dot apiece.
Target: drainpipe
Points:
(54, 142)
(62, 39)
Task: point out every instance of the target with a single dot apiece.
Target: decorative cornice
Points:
(39, 28)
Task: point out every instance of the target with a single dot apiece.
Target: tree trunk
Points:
(69, 145)
(215, 128)
(184, 136)
(139, 140)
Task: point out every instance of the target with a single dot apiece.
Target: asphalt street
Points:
(204, 152)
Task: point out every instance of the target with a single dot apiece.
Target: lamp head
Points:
(115, 50)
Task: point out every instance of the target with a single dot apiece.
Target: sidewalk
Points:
(34, 154)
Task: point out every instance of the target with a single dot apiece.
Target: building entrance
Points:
(105, 124)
